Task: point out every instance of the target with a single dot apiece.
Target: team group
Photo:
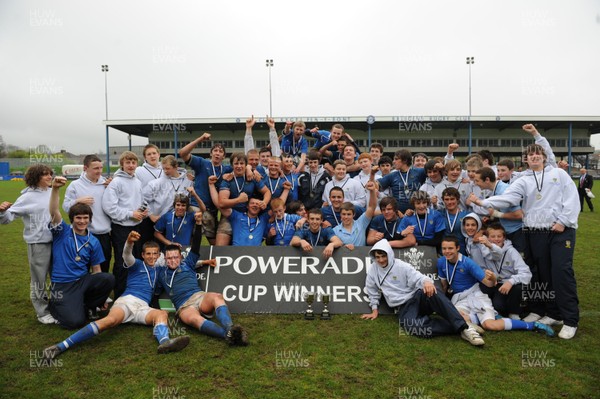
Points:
(506, 238)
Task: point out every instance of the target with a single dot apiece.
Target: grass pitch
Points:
(292, 358)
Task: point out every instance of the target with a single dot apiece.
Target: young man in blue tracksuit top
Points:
(75, 250)
(193, 305)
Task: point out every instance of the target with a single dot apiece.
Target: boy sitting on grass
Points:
(510, 269)
(414, 296)
(460, 277)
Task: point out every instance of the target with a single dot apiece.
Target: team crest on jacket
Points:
(568, 244)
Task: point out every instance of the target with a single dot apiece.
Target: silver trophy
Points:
(325, 315)
(309, 297)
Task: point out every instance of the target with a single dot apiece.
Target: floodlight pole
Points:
(470, 61)
(105, 70)
(269, 64)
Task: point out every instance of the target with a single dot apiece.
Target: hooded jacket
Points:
(32, 207)
(398, 281)
(160, 193)
(507, 263)
(552, 199)
(122, 197)
(146, 173)
(82, 187)
(477, 252)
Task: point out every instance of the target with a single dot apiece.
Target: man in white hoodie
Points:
(160, 193)
(150, 171)
(414, 296)
(32, 207)
(123, 203)
(88, 190)
(551, 207)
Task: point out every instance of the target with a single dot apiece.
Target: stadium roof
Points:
(143, 127)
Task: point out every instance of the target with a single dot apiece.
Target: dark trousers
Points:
(517, 238)
(415, 318)
(505, 304)
(106, 250)
(582, 195)
(70, 301)
(118, 236)
(146, 230)
(553, 289)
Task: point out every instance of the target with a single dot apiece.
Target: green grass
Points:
(342, 358)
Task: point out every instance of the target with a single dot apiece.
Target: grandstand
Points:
(569, 136)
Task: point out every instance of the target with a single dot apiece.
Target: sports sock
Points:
(161, 332)
(212, 329)
(87, 332)
(222, 313)
(510, 324)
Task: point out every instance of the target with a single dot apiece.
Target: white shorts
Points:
(475, 302)
(195, 301)
(135, 309)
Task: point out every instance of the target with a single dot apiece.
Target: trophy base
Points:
(309, 316)
(326, 316)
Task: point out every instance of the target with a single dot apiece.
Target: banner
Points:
(274, 279)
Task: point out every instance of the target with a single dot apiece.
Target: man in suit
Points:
(585, 182)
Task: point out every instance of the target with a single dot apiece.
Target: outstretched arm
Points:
(55, 215)
(128, 250)
(273, 138)
(201, 204)
(197, 236)
(248, 139)
(186, 152)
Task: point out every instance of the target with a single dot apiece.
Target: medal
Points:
(405, 181)
(423, 229)
(282, 231)
(539, 185)
(281, 243)
(77, 247)
(250, 229)
(175, 233)
(450, 291)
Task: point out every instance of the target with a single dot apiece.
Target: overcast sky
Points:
(201, 59)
